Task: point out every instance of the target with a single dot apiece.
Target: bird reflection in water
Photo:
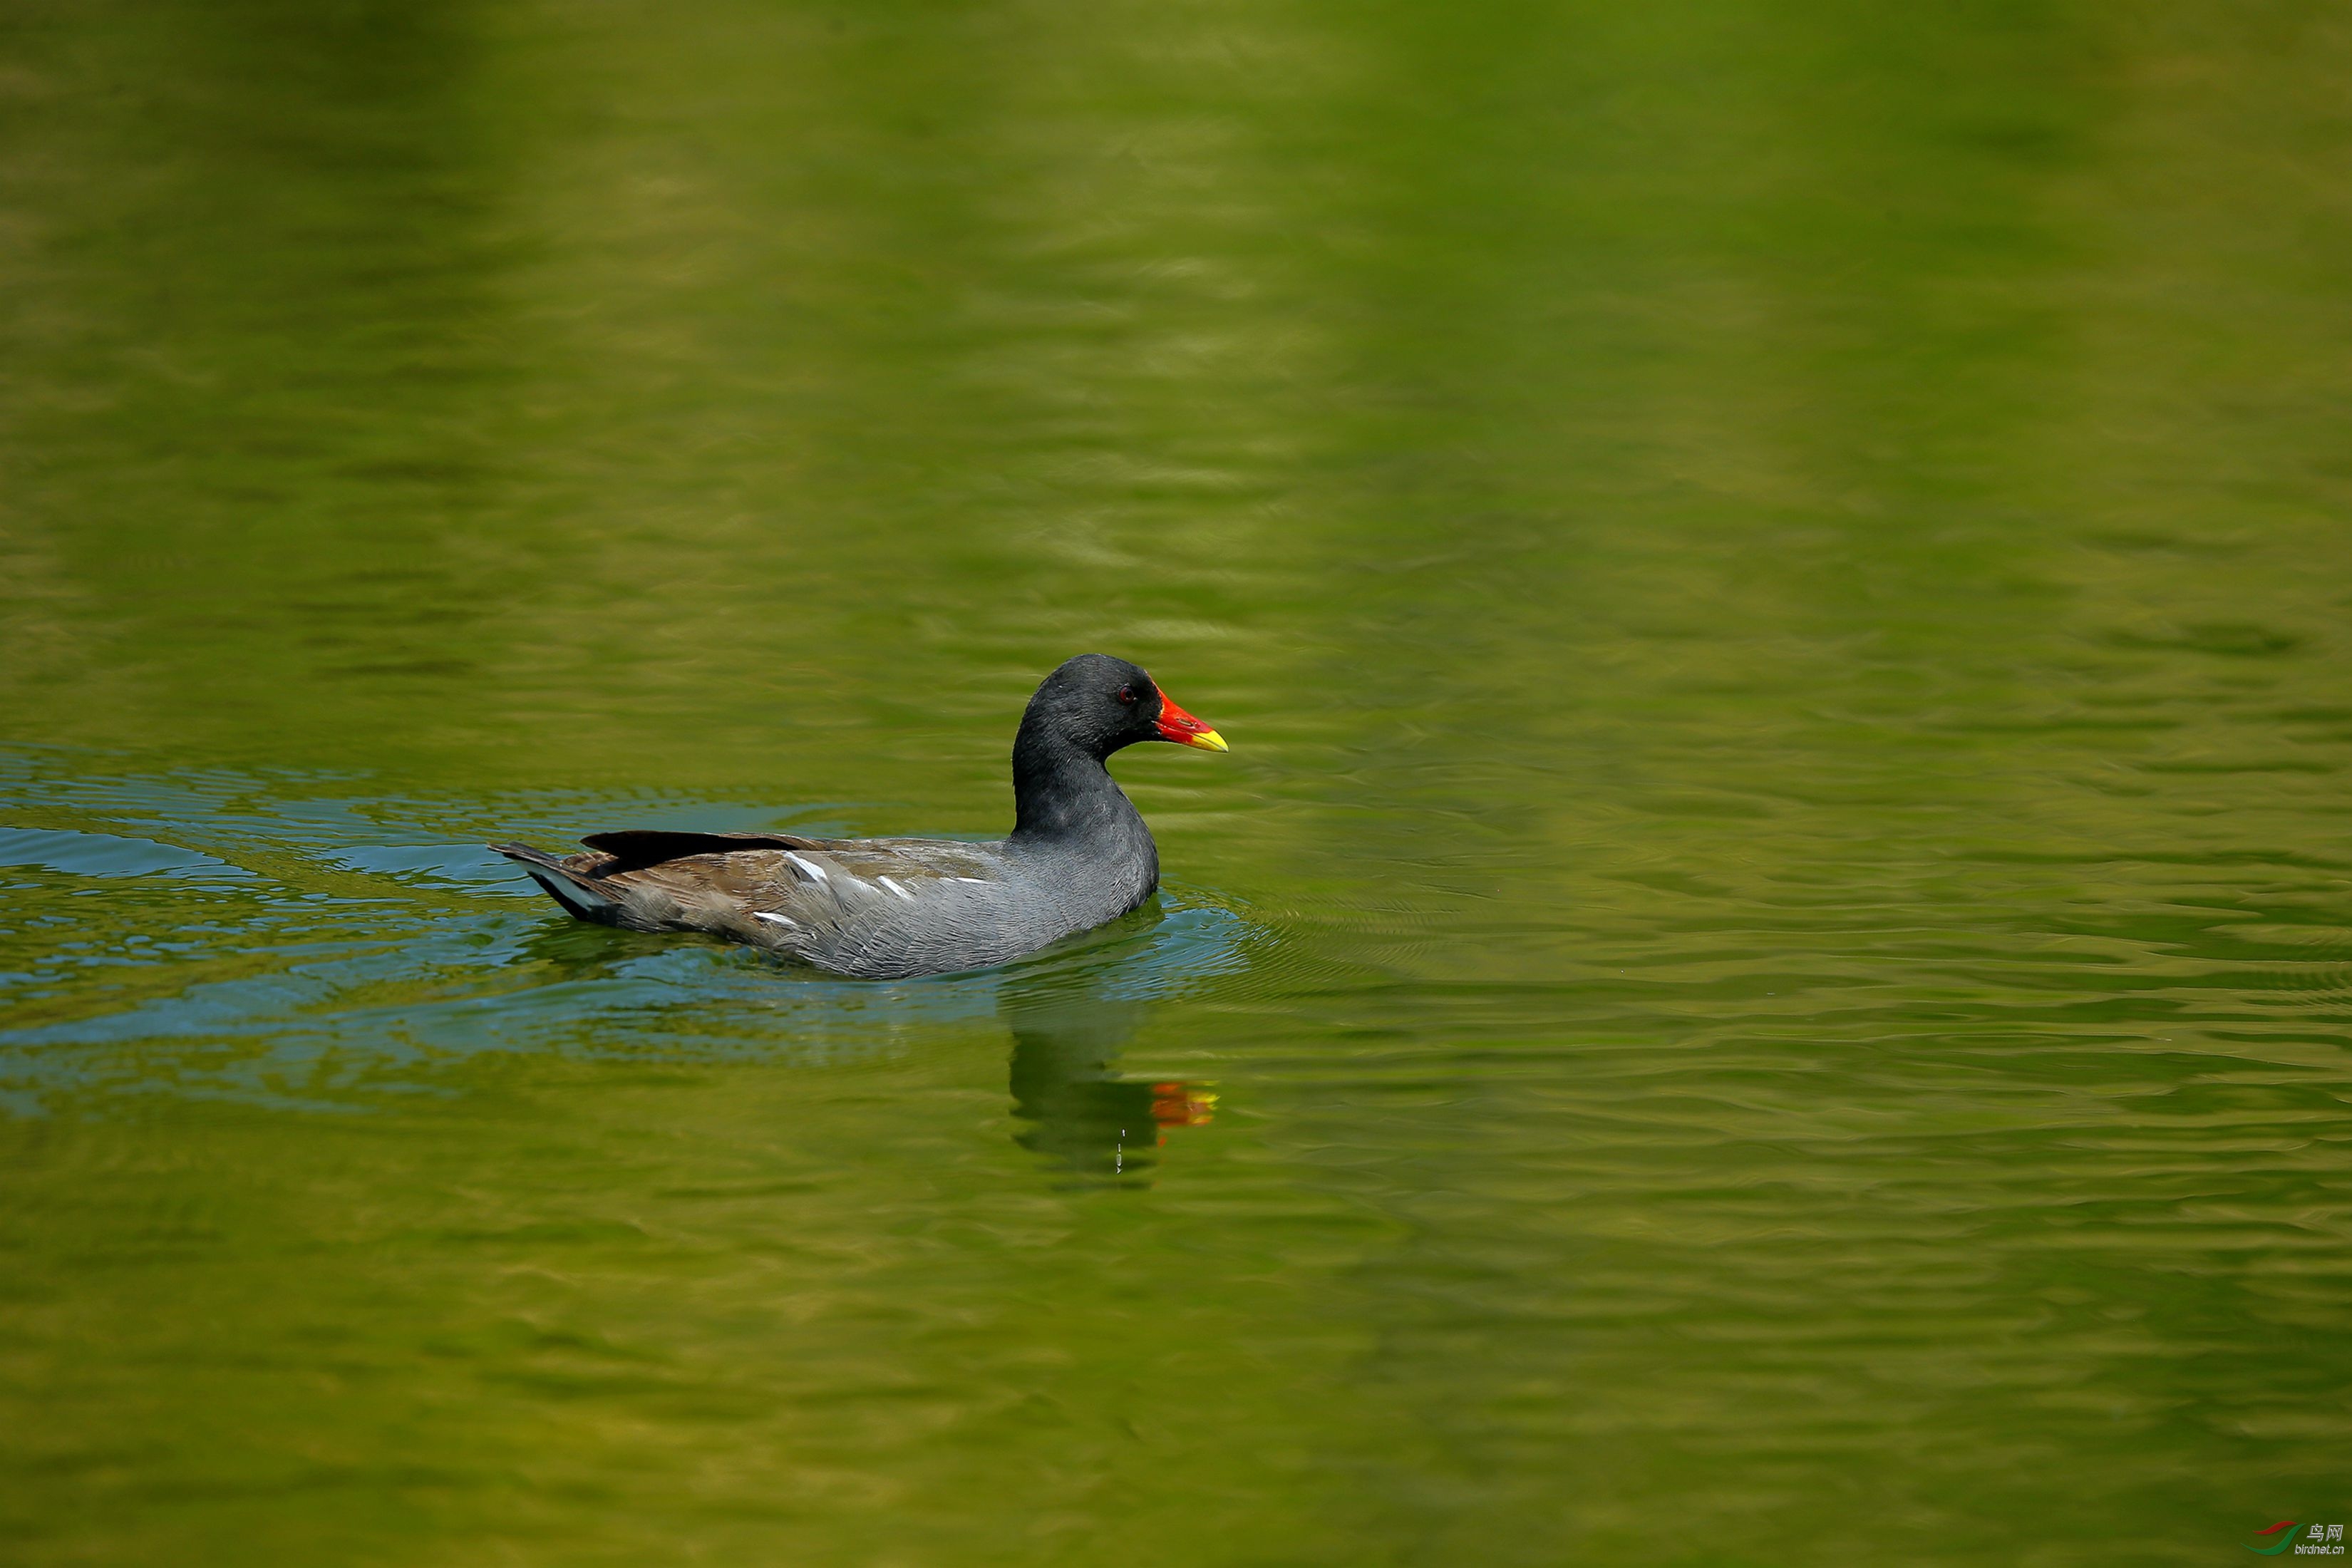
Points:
(1080, 1113)
(1075, 1109)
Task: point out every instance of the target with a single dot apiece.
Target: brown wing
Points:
(635, 848)
(639, 848)
(776, 889)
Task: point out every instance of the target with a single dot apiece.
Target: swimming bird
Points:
(1078, 855)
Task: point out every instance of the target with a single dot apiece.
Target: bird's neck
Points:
(1061, 793)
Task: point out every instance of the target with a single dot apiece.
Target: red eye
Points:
(1126, 694)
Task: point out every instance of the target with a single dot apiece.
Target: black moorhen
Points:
(889, 907)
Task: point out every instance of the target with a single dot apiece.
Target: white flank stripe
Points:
(896, 889)
(776, 920)
(810, 867)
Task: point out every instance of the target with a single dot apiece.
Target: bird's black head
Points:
(1099, 704)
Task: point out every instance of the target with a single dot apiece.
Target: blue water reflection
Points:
(348, 941)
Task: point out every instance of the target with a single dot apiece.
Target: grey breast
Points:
(886, 908)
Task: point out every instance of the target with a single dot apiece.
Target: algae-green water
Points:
(1768, 979)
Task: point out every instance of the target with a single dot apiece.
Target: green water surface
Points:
(1769, 980)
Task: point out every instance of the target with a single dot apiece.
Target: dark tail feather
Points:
(575, 892)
